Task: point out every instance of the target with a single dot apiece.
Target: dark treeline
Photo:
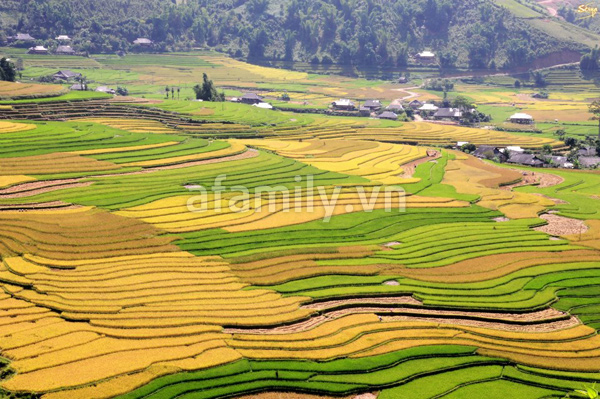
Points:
(474, 33)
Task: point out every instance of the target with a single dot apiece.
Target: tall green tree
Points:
(8, 72)
(207, 91)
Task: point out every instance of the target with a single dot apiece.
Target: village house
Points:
(251, 98)
(426, 57)
(142, 41)
(364, 111)
(343, 104)
(21, 37)
(402, 79)
(263, 105)
(489, 152)
(389, 115)
(587, 152)
(526, 159)
(395, 108)
(38, 50)
(373, 105)
(557, 161)
(453, 114)
(78, 87)
(63, 38)
(105, 89)
(66, 75)
(514, 149)
(591, 162)
(64, 50)
(524, 119)
(428, 109)
(415, 104)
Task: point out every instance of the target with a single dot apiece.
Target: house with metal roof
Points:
(521, 118)
(344, 104)
(142, 41)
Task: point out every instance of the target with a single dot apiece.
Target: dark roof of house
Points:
(587, 152)
(397, 107)
(416, 102)
(23, 36)
(525, 159)
(388, 115)
(363, 108)
(482, 149)
(251, 96)
(372, 103)
(589, 162)
(78, 86)
(448, 113)
(554, 159)
(67, 74)
(64, 49)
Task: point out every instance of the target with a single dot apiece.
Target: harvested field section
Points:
(380, 162)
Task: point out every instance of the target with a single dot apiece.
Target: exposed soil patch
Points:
(534, 328)
(292, 395)
(42, 206)
(409, 168)
(501, 219)
(391, 300)
(35, 185)
(561, 226)
(542, 179)
(27, 191)
(543, 320)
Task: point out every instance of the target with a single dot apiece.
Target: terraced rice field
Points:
(226, 251)
(15, 91)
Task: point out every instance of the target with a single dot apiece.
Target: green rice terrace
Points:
(157, 247)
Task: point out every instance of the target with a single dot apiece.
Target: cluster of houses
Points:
(369, 108)
(431, 111)
(586, 157)
(252, 99)
(63, 47)
(70, 76)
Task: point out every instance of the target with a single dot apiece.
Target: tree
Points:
(178, 92)
(594, 108)
(207, 91)
(8, 71)
(167, 92)
(517, 84)
(547, 149)
(172, 93)
(463, 103)
(589, 62)
(122, 91)
(468, 148)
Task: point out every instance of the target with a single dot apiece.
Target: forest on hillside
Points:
(473, 33)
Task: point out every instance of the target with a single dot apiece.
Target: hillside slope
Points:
(473, 33)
